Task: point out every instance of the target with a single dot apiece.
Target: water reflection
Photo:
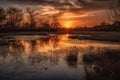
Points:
(37, 45)
(57, 57)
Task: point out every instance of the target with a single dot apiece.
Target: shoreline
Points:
(99, 36)
(83, 35)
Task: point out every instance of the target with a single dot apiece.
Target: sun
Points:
(68, 24)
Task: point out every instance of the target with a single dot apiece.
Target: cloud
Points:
(75, 6)
(62, 3)
(60, 7)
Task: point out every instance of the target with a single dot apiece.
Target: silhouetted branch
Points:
(14, 16)
(2, 15)
(114, 11)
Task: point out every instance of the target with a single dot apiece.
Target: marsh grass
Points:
(72, 57)
(103, 66)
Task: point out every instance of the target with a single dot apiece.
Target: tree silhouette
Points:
(55, 23)
(2, 15)
(32, 15)
(46, 25)
(114, 11)
(14, 16)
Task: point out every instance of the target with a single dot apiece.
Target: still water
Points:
(50, 57)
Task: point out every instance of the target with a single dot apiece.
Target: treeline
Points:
(14, 19)
(30, 20)
(103, 26)
(113, 15)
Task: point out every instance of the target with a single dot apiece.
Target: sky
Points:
(70, 13)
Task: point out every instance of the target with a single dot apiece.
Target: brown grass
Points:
(104, 66)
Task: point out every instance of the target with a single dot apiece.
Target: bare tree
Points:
(114, 11)
(2, 15)
(32, 16)
(14, 16)
(55, 23)
(45, 24)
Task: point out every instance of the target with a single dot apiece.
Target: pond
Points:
(57, 57)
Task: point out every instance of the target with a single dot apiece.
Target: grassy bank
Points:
(100, 36)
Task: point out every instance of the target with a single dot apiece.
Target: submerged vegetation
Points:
(72, 57)
(102, 65)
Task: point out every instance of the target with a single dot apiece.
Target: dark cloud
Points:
(78, 7)
(61, 3)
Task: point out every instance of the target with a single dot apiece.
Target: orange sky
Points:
(70, 13)
(88, 19)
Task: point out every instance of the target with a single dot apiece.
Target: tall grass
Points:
(104, 65)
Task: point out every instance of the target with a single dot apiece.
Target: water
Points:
(54, 57)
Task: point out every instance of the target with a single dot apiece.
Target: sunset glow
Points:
(68, 24)
(82, 12)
